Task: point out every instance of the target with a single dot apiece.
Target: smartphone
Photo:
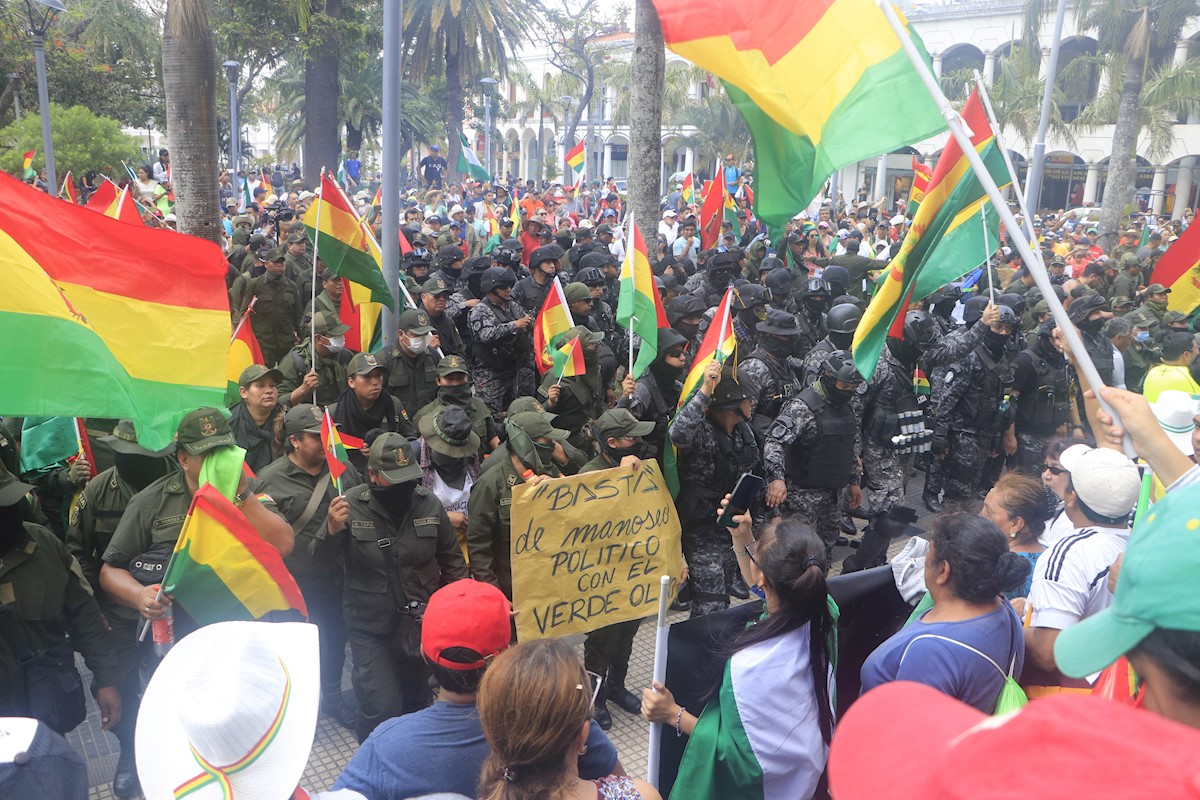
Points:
(748, 487)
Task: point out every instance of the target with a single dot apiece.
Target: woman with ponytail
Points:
(766, 730)
(971, 640)
(535, 704)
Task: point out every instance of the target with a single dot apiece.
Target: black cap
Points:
(780, 323)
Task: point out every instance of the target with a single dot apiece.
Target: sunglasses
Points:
(593, 686)
(1053, 469)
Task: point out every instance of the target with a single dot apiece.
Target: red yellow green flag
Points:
(920, 184)
(344, 243)
(575, 160)
(689, 189)
(68, 192)
(945, 241)
(243, 352)
(515, 216)
(104, 196)
(552, 321)
(492, 223)
(1179, 271)
(377, 201)
(223, 570)
(124, 208)
(639, 306)
(335, 451)
(719, 344)
(357, 311)
(27, 164)
(266, 181)
(812, 79)
(712, 213)
(568, 360)
(138, 329)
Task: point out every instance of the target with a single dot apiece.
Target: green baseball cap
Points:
(1157, 288)
(618, 422)
(1156, 588)
(124, 440)
(536, 425)
(391, 455)
(525, 404)
(577, 291)
(274, 254)
(256, 372)
(364, 364)
(452, 364)
(326, 322)
(416, 321)
(202, 430)
(302, 418)
(436, 286)
(11, 489)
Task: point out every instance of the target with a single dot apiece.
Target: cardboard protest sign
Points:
(588, 550)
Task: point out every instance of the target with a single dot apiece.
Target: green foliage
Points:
(82, 142)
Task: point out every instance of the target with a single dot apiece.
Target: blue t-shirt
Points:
(353, 165)
(441, 749)
(948, 667)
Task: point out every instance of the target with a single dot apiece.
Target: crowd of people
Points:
(405, 561)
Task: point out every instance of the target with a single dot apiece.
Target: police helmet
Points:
(1014, 301)
(919, 329)
(749, 296)
(836, 276)
(843, 318)
(817, 286)
(1007, 315)
(839, 366)
(497, 278)
(590, 276)
(973, 309)
(448, 254)
(770, 263)
(506, 256)
(596, 260)
(951, 291)
(780, 282)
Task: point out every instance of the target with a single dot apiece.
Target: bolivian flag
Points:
(243, 352)
(107, 320)
(345, 244)
(104, 196)
(1179, 271)
(223, 570)
(639, 306)
(27, 164)
(920, 184)
(68, 192)
(552, 321)
(821, 84)
(689, 189)
(362, 315)
(335, 450)
(945, 242)
(575, 160)
(568, 360)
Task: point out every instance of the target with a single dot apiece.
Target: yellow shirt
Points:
(1169, 376)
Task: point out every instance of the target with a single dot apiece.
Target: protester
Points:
(1017, 506)
(257, 421)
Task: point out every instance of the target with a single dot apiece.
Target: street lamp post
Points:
(12, 80)
(566, 100)
(40, 21)
(150, 139)
(232, 70)
(488, 83)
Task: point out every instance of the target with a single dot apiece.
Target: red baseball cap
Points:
(907, 741)
(468, 614)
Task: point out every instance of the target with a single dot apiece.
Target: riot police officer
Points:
(750, 307)
(773, 381)
(1041, 387)
(655, 395)
(841, 322)
(503, 342)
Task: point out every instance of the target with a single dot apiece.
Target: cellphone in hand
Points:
(748, 487)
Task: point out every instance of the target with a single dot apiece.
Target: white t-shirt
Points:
(669, 230)
(1070, 579)
(1058, 528)
(452, 499)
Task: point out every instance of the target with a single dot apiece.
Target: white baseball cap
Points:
(670, 212)
(1106, 481)
(1175, 411)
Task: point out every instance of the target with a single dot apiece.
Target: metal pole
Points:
(487, 132)
(1033, 186)
(39, 58)
(393, 42)
(235, 138)
(659, 675)
(1040, 275)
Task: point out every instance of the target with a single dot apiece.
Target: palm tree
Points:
(464, 40)
(677, 81)
(1016, 95)
(190, 82)
(646, 113)
(719, 128)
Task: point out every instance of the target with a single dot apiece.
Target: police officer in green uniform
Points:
(619, 438)
(366, 405)
(527, 457)
(329, 300)
(303, 490)
(411, 368)
(454, 389)
(299, 265)
(399, 548)
(579, 399)
(435, 296)
(152, 521)
(278, 310)
(44, 599)
(93, 521)
(323, 383)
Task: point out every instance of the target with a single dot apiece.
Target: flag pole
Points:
(987, 252)
(245, 316)
(659, 676)
(987, 106)
(1041, 277)
(312, 326)
(630, 266)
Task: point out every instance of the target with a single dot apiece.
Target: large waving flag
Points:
(1179, 271)
(552, 321)
(243, 352)
(344, 243)
(813, 80)
(712, 212)
(946, 239)
(468, 162)
(577, 161)
(223, 570)
(138, 329)
(920, 185)
(639, 306)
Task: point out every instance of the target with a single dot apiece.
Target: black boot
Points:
(334, 707)
(683, 599)
(602, 716)
(847, 526)
(932, 502)
(125, 781)
(739, 589)
(625, 700)
(876, 538)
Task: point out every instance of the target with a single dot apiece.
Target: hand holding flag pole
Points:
(660, 676)
(1037, 268)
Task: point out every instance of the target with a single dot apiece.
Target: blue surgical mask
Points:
(1143, 336)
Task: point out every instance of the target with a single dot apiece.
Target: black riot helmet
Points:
(973, 309)
(839, 366)
(843, 318)
(919, 329)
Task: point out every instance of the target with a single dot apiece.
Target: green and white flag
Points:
(468, 162)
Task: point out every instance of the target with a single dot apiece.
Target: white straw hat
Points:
(230, 713)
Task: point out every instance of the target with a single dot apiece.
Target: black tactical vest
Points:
(828, 464)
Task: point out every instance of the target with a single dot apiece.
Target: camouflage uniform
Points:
(503, 369)
(797, 427)
(774, 386)
(650, 403)
(710, 462)
(971, 417)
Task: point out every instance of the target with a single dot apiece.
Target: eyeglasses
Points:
(594, 682)
(751, 550)
(1053, 469)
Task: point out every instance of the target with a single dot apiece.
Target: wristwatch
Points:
(241, 497)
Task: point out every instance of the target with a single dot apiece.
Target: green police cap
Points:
(618, 422)
(391, 455)
(11, 489)
(451, 365)
(436, 286)
(124, 440)
(364, 364)
(1157, 288)
(302, 418)
(327, 323)
(202, 430)
(1156, 589)
(256, 372)
(274, 254)
(536, 425)
(576, 292)
(416, 321)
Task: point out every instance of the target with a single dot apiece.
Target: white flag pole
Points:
(987, 252)
(987, 105)
(312, 327)
(1040, 276)
(653, 752)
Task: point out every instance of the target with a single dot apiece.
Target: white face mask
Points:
(418, 344)
(336, 343)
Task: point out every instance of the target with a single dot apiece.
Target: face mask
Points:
(718, 280)
(140, 471)
(835, 396)
(760, 312)
(10, 526)
(545, 451)
(395, 499)
(456, 395)
(842, 341)
(688, 329)
(1143, 336)
(995, 342)
(1092, 326)
(1162, 304)
(336, 343)
(418, 344)
(617, 453)
(447, 465)
(780, 348)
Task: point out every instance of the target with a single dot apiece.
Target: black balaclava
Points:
(395, 499)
